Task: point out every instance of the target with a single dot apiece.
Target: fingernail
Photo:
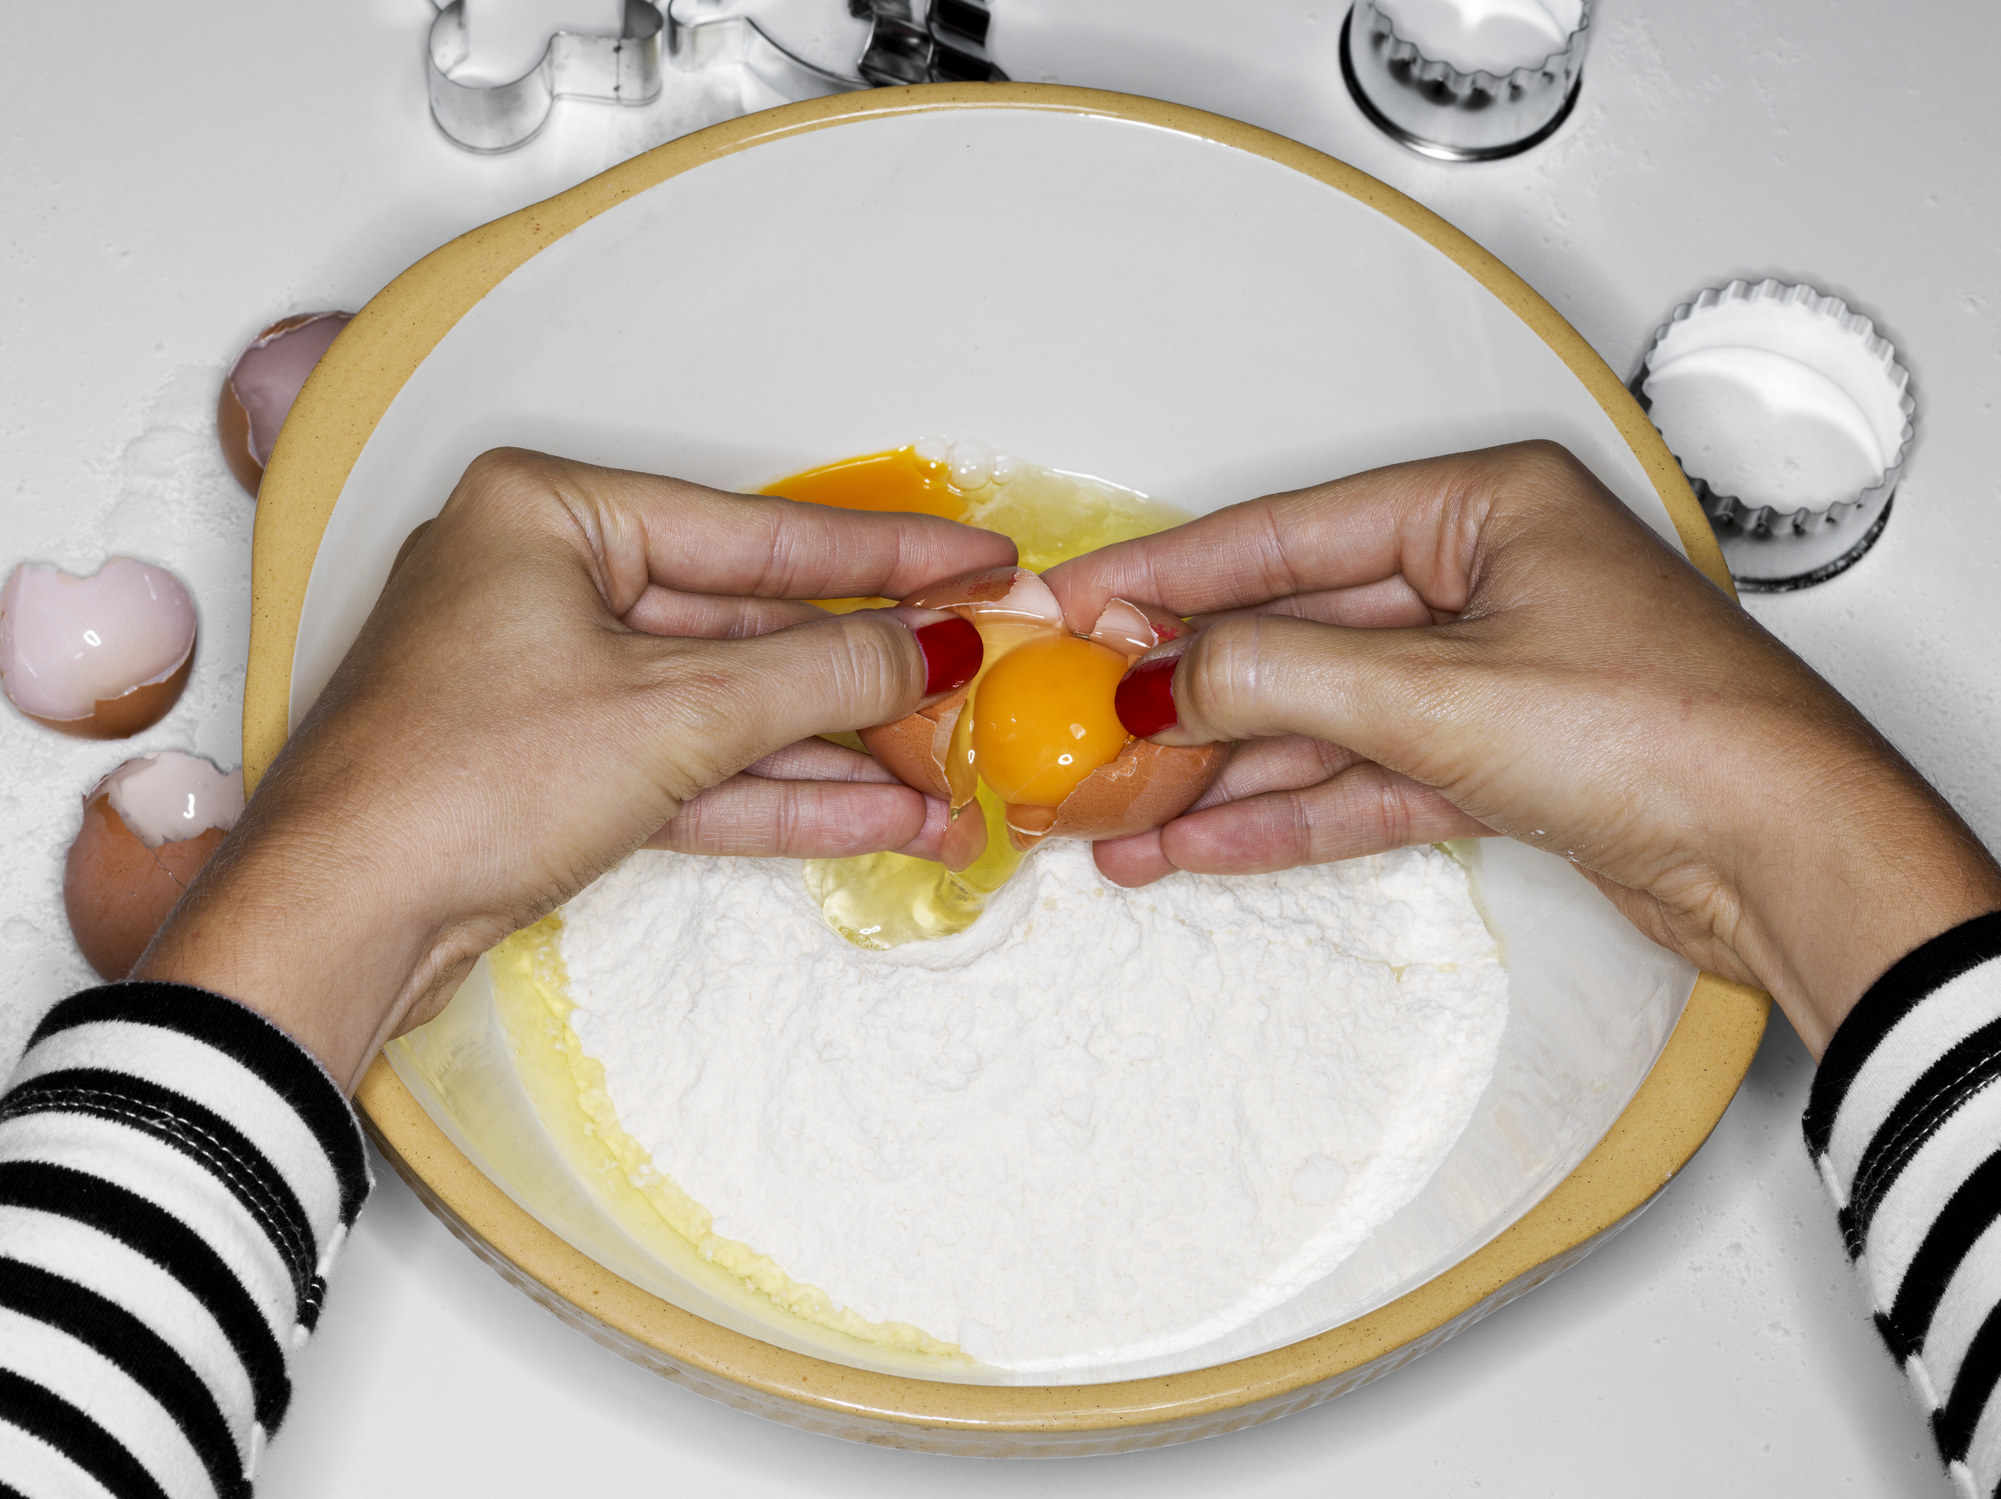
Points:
(1144, 700)
(952, 654)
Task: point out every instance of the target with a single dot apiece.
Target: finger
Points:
(1289, 762)
(409, 545)
(712, 707)
(1132, 861)
(757, 817)
(647, 529)
(1417, 521)
(1388, 604)
(1364, 810)
(964, 839)
(668, 611)
(818, 760)
(1403, 698)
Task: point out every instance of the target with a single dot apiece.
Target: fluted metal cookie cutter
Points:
(1772, 547)
(622, 69)
(1449, 113)
(908, 41)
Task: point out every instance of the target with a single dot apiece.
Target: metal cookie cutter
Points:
(1792, 418)
(891, 42)
(1449, 113)
(622, 69)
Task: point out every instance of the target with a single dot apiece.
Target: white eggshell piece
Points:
(268, 375)
(1125, 628)
(169, 797)
(68, 643)
(1028, 599)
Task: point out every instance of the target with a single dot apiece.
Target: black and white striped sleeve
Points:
(1904, 1122)
(176, 1178)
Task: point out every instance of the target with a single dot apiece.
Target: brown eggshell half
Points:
(913, 749)
(1145, 786)
(232, 417)
(122, 716)
(117, 891)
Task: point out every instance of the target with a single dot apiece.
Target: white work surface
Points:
(175, 176)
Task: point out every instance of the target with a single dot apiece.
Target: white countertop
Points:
(173, 177)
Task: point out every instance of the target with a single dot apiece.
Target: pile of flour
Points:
(1101, 1124)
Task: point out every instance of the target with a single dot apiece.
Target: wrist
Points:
(1828, 910)
(302, 933)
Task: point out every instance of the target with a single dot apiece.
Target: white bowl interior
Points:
(1094, 294)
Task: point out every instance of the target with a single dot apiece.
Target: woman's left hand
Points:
(567, 664)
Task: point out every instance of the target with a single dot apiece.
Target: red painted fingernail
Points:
(952, 654)
(1144, 700)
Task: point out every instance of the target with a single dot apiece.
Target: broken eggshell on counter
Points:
(100, 657)
(1143, 786)
(148, 827)
(261, 386)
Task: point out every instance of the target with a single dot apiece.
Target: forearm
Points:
(1834, 891)
(1903, 1124)
(176, 1179)
(327, 960)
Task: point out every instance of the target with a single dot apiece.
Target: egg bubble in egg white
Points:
(148, 827)
(99, 657)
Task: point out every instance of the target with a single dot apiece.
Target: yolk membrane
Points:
(1043, 718)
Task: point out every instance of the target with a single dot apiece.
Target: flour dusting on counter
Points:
(1100, 1124)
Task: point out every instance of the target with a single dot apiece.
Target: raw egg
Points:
(262, 385)
(885, 900)
(1037, 724)
(147, 828)
(100, 657)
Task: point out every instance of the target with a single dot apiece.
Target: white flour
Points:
(1102, 1123)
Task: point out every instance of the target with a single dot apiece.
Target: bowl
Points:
(1104, 284)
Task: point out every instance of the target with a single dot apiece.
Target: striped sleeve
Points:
(176, 1178)
(1904, 1123)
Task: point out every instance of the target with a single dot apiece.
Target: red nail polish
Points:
(1144, 700)
(952, 654)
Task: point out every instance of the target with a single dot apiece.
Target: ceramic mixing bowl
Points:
(1108, 285)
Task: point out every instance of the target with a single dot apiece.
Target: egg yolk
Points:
(898, 480)
(1043, 718)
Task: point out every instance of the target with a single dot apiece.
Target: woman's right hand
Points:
(1492, 642)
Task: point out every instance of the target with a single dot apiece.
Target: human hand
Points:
(566, 664)
(1491, 642)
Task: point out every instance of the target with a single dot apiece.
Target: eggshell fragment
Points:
(1142, 787)
(262, 385)
(98, 657)
(148, 827)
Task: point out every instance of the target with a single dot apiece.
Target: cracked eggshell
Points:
(1143, 786)
(916, 749)
(1147, 786)
(261, 386)
(100, 657)
(148, 827)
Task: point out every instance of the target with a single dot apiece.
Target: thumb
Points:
(719, 705)
(1378, 692)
